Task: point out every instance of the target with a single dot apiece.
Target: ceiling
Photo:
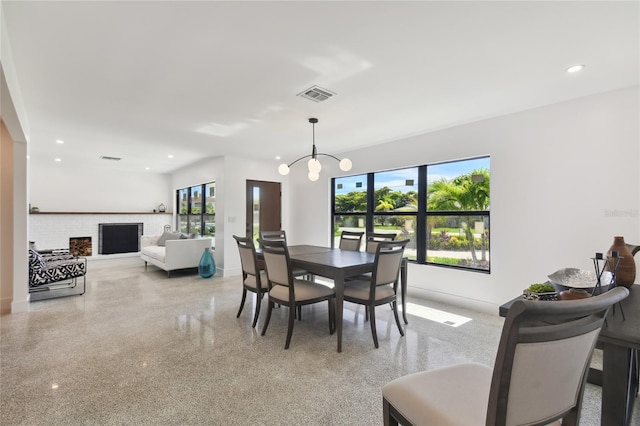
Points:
(145, 80)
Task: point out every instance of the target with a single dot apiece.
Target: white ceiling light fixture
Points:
(575, 68)
(59, 141)
(313, 165)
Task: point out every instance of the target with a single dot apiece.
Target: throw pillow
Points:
(167, 236)
(36, 261)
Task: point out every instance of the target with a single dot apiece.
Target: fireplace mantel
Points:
(100, 213)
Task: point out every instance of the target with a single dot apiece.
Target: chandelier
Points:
(313, 164)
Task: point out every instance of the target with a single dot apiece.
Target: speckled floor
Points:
(142, 349)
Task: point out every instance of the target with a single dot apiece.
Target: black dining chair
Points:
(286, 290)
(538, 377)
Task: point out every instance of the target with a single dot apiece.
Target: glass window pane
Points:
(458, 241)
(196, 199)
(183, 196)
(351, 194)
(403, 226)
(396, 190)
(209, 225)
(184, 225)
(348, 223)
(195, 224)
(459, 185)
(210, 198)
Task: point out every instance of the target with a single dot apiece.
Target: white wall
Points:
(230, 175)
(62, 187)
(565, 179)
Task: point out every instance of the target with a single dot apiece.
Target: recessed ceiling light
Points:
(575, 68)
(147, 168)
(59, 141)
(57, 160)
(277, 157)
(170, 156)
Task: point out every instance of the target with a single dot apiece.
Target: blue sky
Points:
(396, 179)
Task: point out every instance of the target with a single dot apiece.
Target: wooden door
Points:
(263, 207)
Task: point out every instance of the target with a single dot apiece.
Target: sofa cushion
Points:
(166, 235)
(155, 252)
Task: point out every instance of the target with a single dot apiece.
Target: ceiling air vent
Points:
(316, 94)
(106, 157)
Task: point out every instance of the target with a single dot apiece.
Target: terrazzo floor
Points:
(141, 349)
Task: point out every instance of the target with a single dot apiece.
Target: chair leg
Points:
(299, 310)
(258, 304)
(292, 314)
(266, 322)
(244, 296)
(332, 315)
(372, 321)
(394, 304)
(388, 419)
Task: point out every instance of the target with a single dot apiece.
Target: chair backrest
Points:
(273, 236)
(543, 358)
(248, 258)
(277, 262)
(373, 238)
(350, 240)
(387, 262)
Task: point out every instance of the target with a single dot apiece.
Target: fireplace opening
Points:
(80, 246)
(119, 237)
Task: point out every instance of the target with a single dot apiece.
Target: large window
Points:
(197, 210)
(443, 209)
(458, 213)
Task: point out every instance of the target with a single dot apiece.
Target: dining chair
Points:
(373, 238)
(286, 290)
(538, 377)
(350, 240)
(281, 235)
(253, 279)
(382, 288)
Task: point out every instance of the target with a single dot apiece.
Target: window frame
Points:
(420, 216)
(189, 215)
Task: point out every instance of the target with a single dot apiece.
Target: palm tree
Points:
(466, 192)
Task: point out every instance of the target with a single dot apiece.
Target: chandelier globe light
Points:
(313, 165)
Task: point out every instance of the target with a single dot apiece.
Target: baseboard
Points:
(463, 302)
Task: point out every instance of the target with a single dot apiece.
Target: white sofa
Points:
(174, 254)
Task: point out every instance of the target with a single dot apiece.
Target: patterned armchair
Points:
(56, 270)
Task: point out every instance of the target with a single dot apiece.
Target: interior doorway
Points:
(263, 207)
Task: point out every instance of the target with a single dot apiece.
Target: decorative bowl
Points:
(568, 278)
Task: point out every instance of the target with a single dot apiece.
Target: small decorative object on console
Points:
(568, 278)
(540, 291)
(625, 275)
(162, 208)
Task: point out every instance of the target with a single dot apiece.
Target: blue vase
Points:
(207, 266)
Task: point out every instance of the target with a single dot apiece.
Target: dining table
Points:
(339, 265)
(620, 343)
